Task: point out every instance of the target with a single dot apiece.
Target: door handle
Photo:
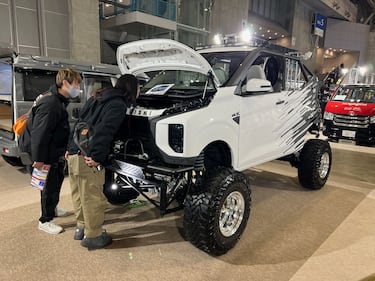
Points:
(280, 102)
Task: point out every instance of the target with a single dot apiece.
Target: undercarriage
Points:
(170, 185)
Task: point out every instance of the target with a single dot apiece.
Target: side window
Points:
(92, 83)
(274, 70)
(5, 81)
(267, 67)
(295, 79)
(370, 95)
(35, 82)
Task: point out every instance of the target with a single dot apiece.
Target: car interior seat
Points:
(220, 74)
(256, 71)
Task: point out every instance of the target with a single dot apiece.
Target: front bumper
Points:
(363, 135)
(9, 147)
(136, 145)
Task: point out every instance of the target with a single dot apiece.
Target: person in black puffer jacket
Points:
(104, 112)
(46, 137)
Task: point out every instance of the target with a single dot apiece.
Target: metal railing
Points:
(160, 8)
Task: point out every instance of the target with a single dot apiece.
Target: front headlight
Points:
(328, 115)
(372, 119)
(176, 137)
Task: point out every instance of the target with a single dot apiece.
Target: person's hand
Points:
(66, 155)
(90, 162)
(38, 165)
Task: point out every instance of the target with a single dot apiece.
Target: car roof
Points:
(256, 44)
(212, 49)
(359, 85)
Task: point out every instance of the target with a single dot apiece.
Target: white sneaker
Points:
(60, 212)
(50, 227)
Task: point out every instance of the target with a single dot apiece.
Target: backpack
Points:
(84, 130)
(82, 136)
(20, 124)
(19, 128)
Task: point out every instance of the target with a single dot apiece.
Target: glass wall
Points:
(160, 8)
(193, 18)
(194, 13)
(278, 11)
(191, 38)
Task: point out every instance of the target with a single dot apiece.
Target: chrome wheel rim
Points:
(231, 214)
(324, 165)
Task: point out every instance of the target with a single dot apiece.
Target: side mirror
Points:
(258, 85)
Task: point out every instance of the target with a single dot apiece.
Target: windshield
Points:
(224, 64)
(365, 94)
(177, 83)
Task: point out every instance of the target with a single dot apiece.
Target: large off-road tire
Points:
(315, 164)
(216, 212)
(14, 161)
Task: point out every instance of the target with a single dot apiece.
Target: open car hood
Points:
(160, 54)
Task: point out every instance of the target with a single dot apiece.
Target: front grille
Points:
(351, 121)
(139, 140)
(139, 127)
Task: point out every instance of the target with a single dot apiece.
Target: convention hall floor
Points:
(293, 234)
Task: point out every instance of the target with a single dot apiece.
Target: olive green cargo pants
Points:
(88, 198)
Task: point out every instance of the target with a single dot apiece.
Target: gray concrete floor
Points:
(293, 233)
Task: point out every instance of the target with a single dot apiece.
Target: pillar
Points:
(84, 30)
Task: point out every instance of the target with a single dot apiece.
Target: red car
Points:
(350, 114)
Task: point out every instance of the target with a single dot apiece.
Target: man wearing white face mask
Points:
(46, 137)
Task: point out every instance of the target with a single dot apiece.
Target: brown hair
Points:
(67, 74)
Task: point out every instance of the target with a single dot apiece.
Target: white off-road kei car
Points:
(202, 118)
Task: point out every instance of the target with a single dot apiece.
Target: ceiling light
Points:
(362, 70)
(276, 33)
(218, 39)
(283, 35)
(262, 35)
(260, 28)
(246, 35)
(268, 30)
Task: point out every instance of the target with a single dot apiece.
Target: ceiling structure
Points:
(261, 28)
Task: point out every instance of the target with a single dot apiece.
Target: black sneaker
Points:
(79, 233)
(97, 242)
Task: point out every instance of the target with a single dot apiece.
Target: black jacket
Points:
(47, 131)
(105, 112)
